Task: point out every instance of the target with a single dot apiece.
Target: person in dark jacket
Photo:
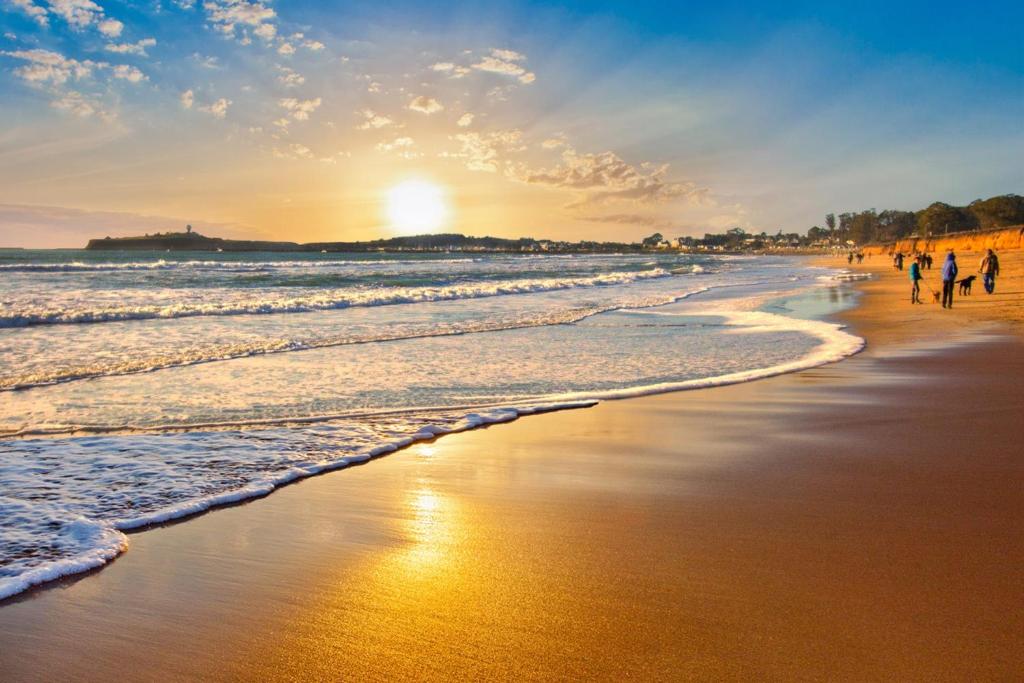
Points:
(949, 271)
(915, 282)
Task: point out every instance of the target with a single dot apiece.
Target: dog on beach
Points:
(965, 284)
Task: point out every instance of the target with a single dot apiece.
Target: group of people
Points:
(989, 269)
(923, 260)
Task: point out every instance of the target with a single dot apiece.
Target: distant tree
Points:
(845, 219)
(652, 241)
(860, 227)
(894, 224)
(817, 234)
(940, 218)
(996, 212)
(830, 221)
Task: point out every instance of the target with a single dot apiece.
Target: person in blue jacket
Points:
(915, 282)
(949, 271)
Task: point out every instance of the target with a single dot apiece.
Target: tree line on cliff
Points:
(937, 219)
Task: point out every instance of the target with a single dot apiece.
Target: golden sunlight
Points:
(416, 206)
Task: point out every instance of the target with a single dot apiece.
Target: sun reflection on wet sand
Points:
(429, 527)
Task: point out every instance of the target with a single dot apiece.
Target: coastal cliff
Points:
(1001, 239)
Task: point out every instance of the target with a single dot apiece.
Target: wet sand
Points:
(860, 521)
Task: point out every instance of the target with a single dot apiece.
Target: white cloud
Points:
(232, 17)
(398, 142)
(465, 120)
(301, 151)
(425, 105)
(219, 109)
(187, 98)
(508, 55)
(265, 31)
(498, 66)
(605, 177)
(372, 120)
(299, 109)
(314, 45)
(505, 62)
(52, 72)
(453, 70)
(373, 87)
(500, 93)
(111, 28)
(37, 13)
(129, 73)
(482, 151)
(285, 49)
(294, 151)
(76, 103)
(290, 78)
(45, 66)
(81, 106)
(78, 13)
(206, 62)
(401, 147)
(138, 48)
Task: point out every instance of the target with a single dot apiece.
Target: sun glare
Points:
(416, 206)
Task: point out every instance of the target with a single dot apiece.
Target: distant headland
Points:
(190, 240)
(735, 240)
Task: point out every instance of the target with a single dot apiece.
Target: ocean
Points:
(139, 387)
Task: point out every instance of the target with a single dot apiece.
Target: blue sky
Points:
(604, 120)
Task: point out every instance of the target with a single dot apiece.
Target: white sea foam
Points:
(314, 300)
(132, 364)
(846, 276)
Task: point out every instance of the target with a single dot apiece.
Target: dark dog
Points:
(965, 284)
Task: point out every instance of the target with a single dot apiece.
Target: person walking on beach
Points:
(989, 269)
(915, 282)
(928, 261)
(899, 260)
(949, 271)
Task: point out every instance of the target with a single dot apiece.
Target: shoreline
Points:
(136, 566)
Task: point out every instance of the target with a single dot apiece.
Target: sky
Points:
(574, 120)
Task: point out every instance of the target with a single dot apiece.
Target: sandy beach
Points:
(859, 521)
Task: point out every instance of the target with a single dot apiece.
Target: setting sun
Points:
(416, 206)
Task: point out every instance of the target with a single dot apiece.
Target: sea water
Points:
(136, 388)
